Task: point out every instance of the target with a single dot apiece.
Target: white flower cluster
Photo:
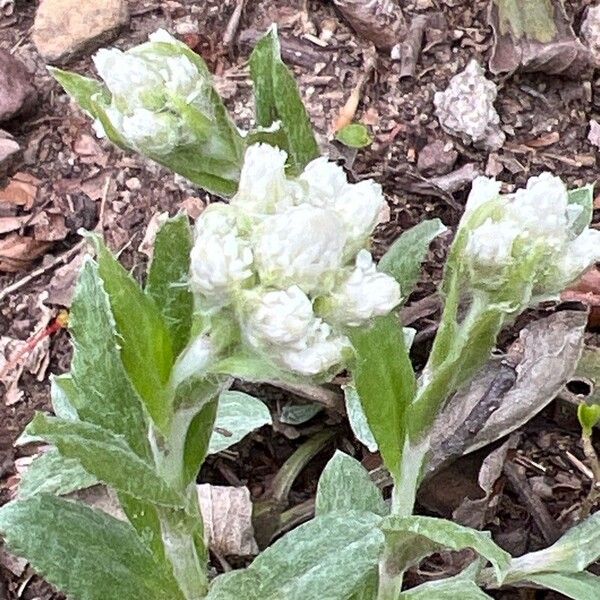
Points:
(466, 108)
(537, 225)
(149, 84)
(288, 258)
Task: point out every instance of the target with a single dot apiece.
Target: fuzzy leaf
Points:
(84, 552)
(345, 485)
(106, 456)
(102, 393)
(328, 557)
(145, 341)
(52, 473)
(385, 382)
(62, 393)
(238, 415)
(446, 590)
(358, 419)
(168, 279)
(80, 88)
(278, 99)
(403, 259)
(417, 537)
(583, 197)
(579, 586)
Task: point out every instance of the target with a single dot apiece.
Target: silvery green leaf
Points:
(107, 456)
(102, 392)
(328, 557)
(579, 586)
(84, 552)
(417, 537)
(238, 415)
(53, 473)
(144, 339)
(357, 418)
(450, 589)
(297, 414)
(345, 485)
(385, 383)
(404, 258)
(62, 391)
(277, 99)
(368, 588)
(583, 197)
(168, 275)
(572, 553)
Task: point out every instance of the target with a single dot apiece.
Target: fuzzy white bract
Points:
(287, 257)
(529, 236)
(149, 85)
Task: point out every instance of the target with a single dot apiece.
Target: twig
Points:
(57, 260)
(533, 504)
(234, 23)
(410, 49)
(100, 225)
(584, 469)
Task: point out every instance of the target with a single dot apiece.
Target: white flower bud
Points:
(303, 246)
(221, 261)
(365, 294)
(483, 189)
(280, 317)
(150, 132)
(325, 181)
(580, 255)
(323, 352)
(263, 187)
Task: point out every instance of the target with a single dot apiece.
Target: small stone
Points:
(466, 108)
(17, 94)
(436, 158)
(10, 152)
(594, 133)
(133, 183)
(65, 28)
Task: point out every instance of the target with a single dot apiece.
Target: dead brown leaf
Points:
(18, 252)
(21, 190)
(49, 227)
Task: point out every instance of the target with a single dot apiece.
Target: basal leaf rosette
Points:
(526, 247)
(287, 261)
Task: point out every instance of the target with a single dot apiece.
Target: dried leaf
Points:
(535, 36)
(21, 190)
(227, 515)
(18, 252)
(494, 404)
(49, 227)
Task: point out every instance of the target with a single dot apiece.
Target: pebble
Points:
(10, 152)
(64, 29)
(590, 31)
(17, 93)
(436, 158)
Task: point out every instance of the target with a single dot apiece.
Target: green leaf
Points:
(297, 414)
(80, 88)
(579, 586)
(385, 382)
(451, 589)
(345, 485)
(417, 537)
(100, 389)
(572, 553)
(63, 393)
(84, 552)
(145, 341)
(328, 557)
(534, 20)
(52, 473)
(368, 589)
(357, 418)
(106, 456)
(404, 258)
(583, 197)
(278, 99)
(238, 415)
(589, 416)
(168, 276)
(355, 135)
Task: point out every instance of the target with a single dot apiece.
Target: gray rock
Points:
(10, 152)
(17, 93)
(436, 158)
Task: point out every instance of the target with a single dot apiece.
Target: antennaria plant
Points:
(276, 284)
